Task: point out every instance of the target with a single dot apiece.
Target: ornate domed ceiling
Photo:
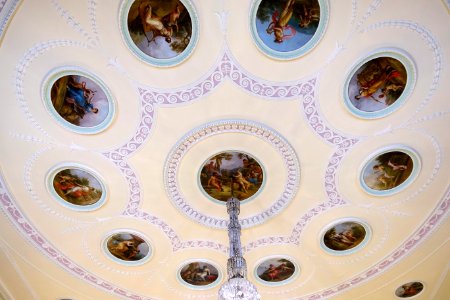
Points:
(126, 125)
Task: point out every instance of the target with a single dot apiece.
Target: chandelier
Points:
(237, 287)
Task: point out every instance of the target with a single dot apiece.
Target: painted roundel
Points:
(128, 247)
(379, 84)
(79, 101)
(231, 173)
(160, 32)
(389, 171)
(345, 236)
(286, 29)
(76, 187)
(277, 270)
(199, 274)
(409, 289)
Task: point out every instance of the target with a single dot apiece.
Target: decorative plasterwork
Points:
(228, 69)
(227, 126)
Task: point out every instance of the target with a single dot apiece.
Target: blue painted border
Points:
(197, 287)
(352, 250)
(279, 283)
(57, 73)
(411, 74)
(104, 246)
(263, 184)
(414, 173)
(158, 62)
(324, 16)
(55, 170)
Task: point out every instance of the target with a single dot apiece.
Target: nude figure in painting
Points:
(153, 23)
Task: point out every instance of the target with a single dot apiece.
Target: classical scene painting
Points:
(409, 289)
(127, 246)
(388, 170)
(79, 100)
(161, 29)
(230, 174)
(77, 187)
(287, 25)
(275, 270)
(199, 273)
(344, 236)
(377, 84)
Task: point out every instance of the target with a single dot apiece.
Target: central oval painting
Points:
(231, 173)
(161, 29)
(287, 25)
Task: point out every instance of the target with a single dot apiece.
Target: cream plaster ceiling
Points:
(227, 95)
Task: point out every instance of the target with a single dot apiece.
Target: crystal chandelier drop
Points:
(237, 287)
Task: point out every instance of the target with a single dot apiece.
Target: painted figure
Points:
(280, 23)
(215, 182)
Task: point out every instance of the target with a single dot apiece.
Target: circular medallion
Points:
(127, 247)
(287, 29)
(199, 274)
(231, 173)
(389, 171)
(76, 187)
(78, 100)
(345, 236)
(379, 84)
(276, 270)
(287, 169)
(409, 289)
(160, 32)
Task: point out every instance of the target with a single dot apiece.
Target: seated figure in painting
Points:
(80, 97)
(215, 182)
(280, 23)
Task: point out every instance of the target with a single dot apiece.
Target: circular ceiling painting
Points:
(161, 32)
(286, 29)
(379, 84)
(126, 247)
(199, 274)
(276, 270)
(231, 173)
(76, 187)
(79, 101)
(345, 236)
(409, 289)
(389, 171)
